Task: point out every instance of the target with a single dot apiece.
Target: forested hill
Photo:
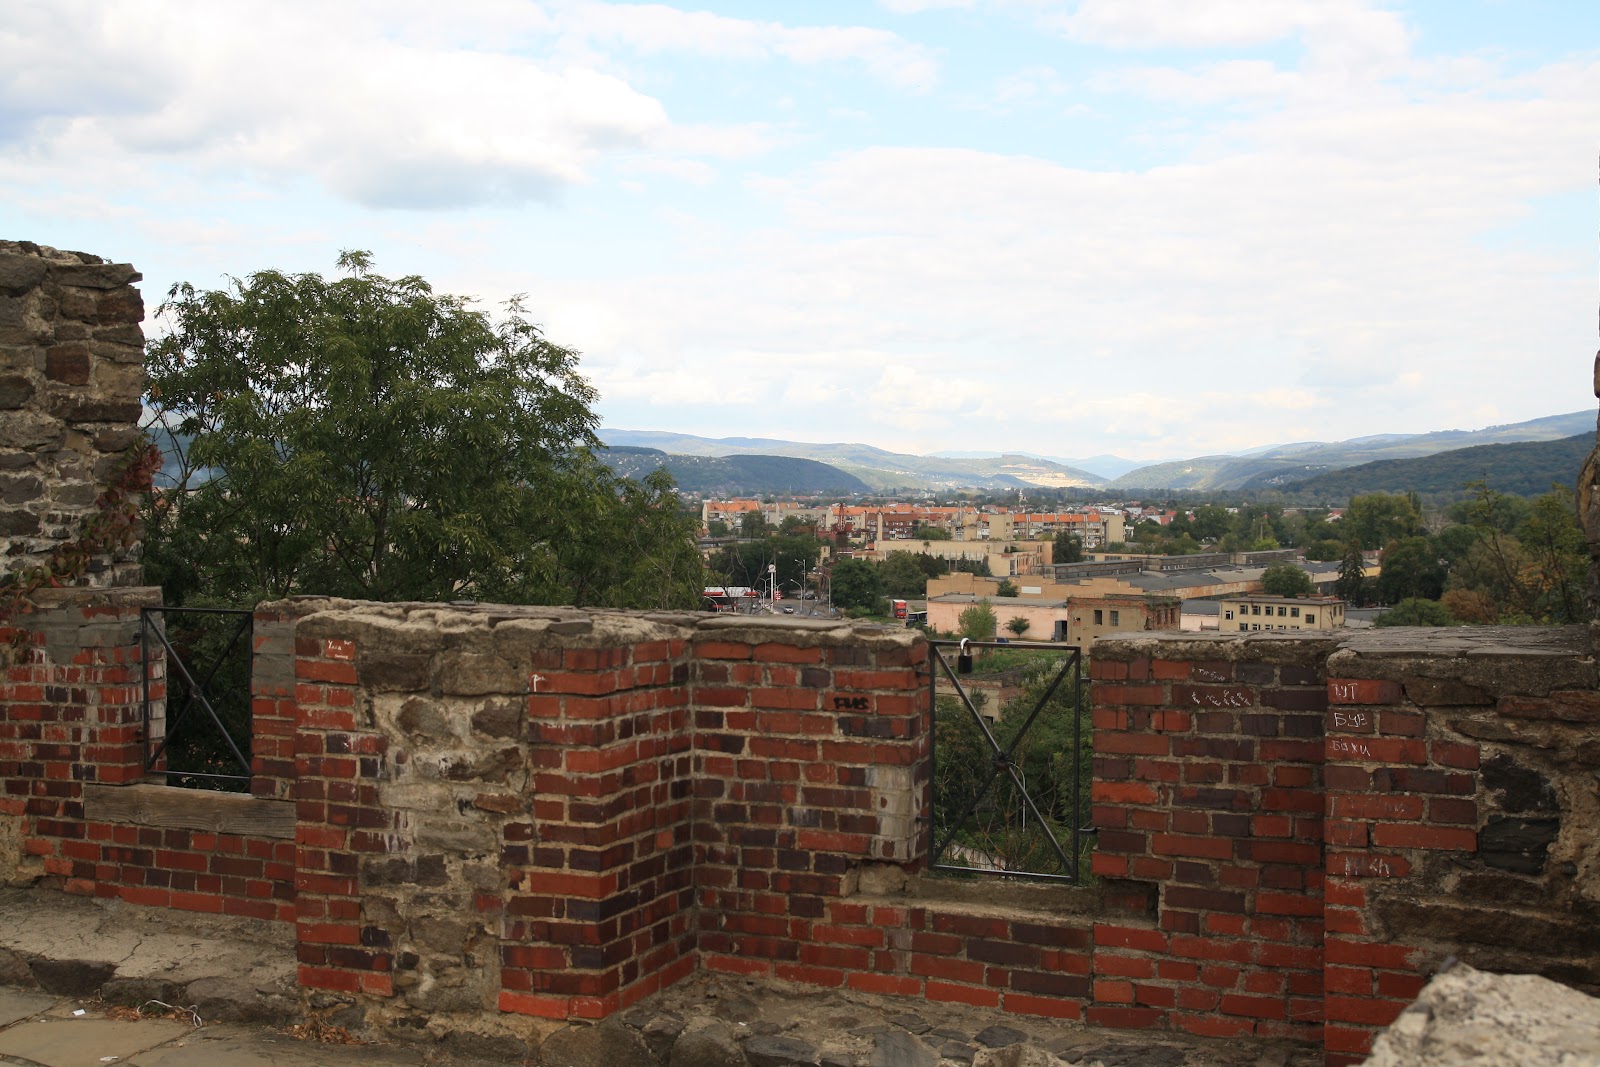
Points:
(1527, 468)
(735, 475)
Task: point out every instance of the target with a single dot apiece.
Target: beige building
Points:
(1261, 612)
(1077, 620)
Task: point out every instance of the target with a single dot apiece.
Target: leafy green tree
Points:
(1415, 611)
(1285, 579)
(1538, 574)
(1212, 522)
(1018, 625)
(929, 533)
(855, 584)
(1068, 548)
(367, 437)
(1375, 519)
(1324, 551)
(1411, 570)
(1006, 588)
(716, 528)
(753, 524)
(901, 575)
(978, 622)
(1352, 583)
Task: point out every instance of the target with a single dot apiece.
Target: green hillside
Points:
(1281, 465)
(735, 475)
(881, 470)
(1524, 469)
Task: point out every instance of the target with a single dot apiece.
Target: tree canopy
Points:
(1285, 579)
(367, 437)
(978, 622)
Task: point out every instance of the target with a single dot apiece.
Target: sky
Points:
(1150, 228)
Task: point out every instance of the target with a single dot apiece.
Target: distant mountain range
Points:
(1526, 468)
(1282, 465)
(1272, 467)
(736, 475)
(881, 470)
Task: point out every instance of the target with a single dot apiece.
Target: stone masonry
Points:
(71, 377)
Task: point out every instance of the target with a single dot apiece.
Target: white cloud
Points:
(1334, 26)
(385, 105)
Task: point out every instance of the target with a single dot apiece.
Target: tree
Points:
(1415, 611)
(1068, 548)
(1411, 570)
(1535, 575)
(1006, 588)
(716, 528)
(1285, 579)
(1351, 586)
(1018, 625)
(855, 584)
(1211, 522)
(1324, 551)
(367, 437)
(930, 533)
(978, 622)
(1375, 519)
(753, 524)
(901, 575)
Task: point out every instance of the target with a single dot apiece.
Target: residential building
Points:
(1260, 612)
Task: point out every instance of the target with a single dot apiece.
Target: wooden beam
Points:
(172, 808)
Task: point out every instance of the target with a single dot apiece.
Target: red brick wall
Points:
(808, 760)
(1293, 830)
(74, 720)
(1208, 787)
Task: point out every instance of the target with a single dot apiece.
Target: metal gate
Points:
(987, 817)
(203, 738)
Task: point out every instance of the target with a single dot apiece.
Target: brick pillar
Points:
(598, 909)
(273, 718)
(71, 714)
(1208, 787)
(1395, 796)
(810, 757)
(339, 823)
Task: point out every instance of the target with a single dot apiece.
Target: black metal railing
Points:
(1009, 759)
(202, 739)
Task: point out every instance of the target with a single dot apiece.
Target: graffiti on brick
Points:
(851, 703)
(1342, 692)
(1224, 698)
(1345, 747)
(1351, 720)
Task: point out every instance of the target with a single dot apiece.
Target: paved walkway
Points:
(51, 1031)
(74, 971)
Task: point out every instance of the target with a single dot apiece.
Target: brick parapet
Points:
(1208, 789)
(503, 812)
(1450, 760)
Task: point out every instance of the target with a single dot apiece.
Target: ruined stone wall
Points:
(1463, 790)
(483, 818)
(71, 378)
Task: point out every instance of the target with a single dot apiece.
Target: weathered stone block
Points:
(15, 390)
(394, 672)
(121, 305)
(18, 274)
(1519, 845)
(475, 674)
(95, 275)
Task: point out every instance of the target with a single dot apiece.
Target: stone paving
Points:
(80, 967)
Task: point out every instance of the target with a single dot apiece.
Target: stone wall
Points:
(71, 378)
(484, 819)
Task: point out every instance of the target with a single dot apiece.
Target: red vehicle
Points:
(899, 608)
